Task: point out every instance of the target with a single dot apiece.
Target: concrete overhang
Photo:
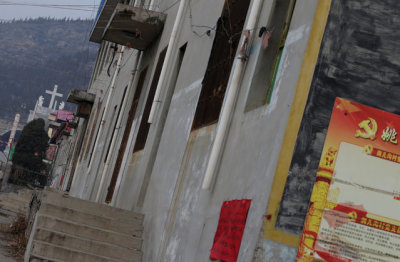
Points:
(104, 16)
(78, 96)
(54, 124)
(132, 26)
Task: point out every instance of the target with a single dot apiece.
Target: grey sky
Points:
(10, 9)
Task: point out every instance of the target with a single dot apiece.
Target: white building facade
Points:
(218, 81)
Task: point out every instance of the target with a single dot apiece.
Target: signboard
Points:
(65, 115)
(228, 237)
(354, 214)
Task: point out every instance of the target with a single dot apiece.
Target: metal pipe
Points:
(229, 104)
(167, 60)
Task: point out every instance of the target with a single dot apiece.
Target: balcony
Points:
(127, 25)
(83, 99)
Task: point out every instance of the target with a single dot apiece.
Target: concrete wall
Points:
(163, 181)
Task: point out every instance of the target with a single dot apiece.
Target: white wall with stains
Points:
(180, 217)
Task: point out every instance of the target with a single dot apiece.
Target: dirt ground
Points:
(6, 250)
(10, 237)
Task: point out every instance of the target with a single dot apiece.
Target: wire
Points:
(207, 32)
(86, 42)
(115, 47)
(88, 8)
(127, 59)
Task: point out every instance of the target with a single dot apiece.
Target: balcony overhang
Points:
(84, 100)
(105, 13)
(131, 26)
(78, 96)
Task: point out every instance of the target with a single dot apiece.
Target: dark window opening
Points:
(112, 118)
(95, 139)
(115, 126)
(227, 37)
(125, 137)
(161, 125)
(144, 126)
(93, 129)
(269, 58)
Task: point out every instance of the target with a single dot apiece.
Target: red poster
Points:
(354, 212)
(228, 237)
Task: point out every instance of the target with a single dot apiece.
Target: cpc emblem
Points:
(368, 129)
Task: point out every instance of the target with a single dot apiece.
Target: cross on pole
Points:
(53, 95)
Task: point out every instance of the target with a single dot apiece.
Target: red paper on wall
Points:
(228, 237)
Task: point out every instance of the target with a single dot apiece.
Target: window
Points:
(95, 139)
(161, 125)
(227, 36)
(125, 137)
(144, 126)
(268, 59)
(115, 126)
(94, 125)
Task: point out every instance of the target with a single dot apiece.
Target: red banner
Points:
(228, 237)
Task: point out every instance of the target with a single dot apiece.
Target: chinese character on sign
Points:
(389, 135)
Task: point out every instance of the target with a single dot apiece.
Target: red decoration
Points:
(228, 237)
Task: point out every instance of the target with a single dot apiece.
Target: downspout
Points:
(151, 6)
(229, 104)
(167, 60)
(103, 119)
(118, 126)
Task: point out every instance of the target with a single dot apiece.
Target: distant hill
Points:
(35, 54)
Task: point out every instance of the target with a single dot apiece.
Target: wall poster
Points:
(354, 212)
(228, 237)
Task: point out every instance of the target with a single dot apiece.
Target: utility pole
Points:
(13, 130)
(10, 147)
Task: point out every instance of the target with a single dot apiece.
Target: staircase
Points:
(71, 229)
(13, 205)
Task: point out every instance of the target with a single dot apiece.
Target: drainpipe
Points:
(151, 6)
(103, 119)
(229, 104)
(167, 60)
(118, 126)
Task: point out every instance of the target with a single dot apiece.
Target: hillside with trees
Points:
(35, 54)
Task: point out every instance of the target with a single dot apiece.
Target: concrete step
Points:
(50, 252)
(14, 206)
(25, 193)
(7, 217)
(21, 195)
(72, 229)
(13, 196)
(129, 227)
(88, 246)
(89, 207)
(88, 232)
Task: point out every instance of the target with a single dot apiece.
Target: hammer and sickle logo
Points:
(352, 216)
(368, 129)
